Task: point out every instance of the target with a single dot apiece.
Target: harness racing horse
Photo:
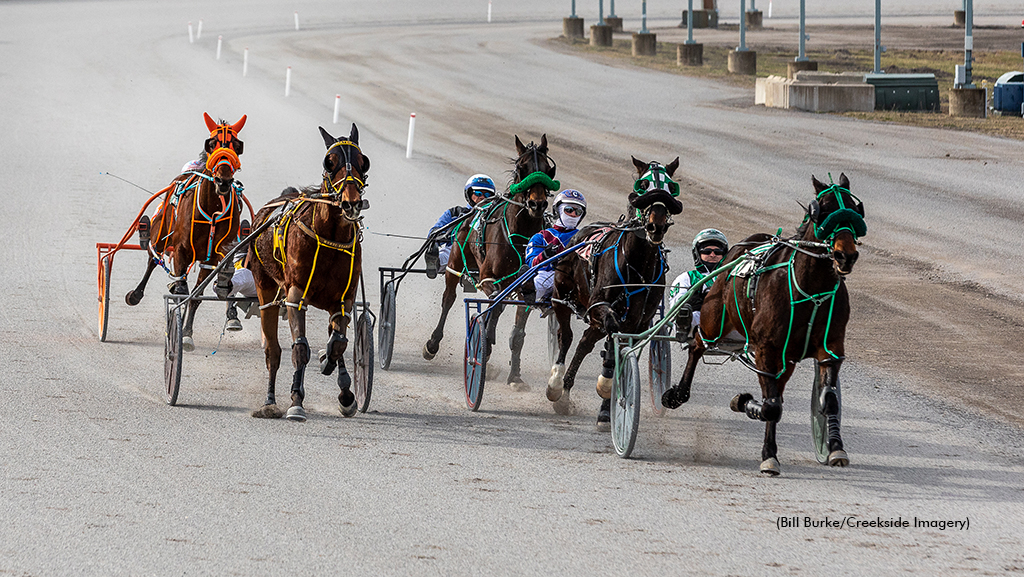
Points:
(618, 281)
(312, 257)
(495, 243)
(198, 218)
(790, 304)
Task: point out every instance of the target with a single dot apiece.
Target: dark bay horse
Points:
(791, 306)
(496, 254)
(312, 257)
(618, 283)
(198, 218)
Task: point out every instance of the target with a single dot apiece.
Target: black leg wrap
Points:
(771, 410)
(329, 357)
(674, 397)
(344, 380)
(298, 388)
(300, 352)
(830, 406)
(604, 415)
(178, 287)
(608, 362)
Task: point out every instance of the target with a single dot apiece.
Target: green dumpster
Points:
(905, 91)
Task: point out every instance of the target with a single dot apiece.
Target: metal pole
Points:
(600, 12)
(752, 7)
(612, 14)
(689, 22)
(878, 37)
(802, 57)
(643, 19)
(743, 27)
(968, 42)
(573, 8)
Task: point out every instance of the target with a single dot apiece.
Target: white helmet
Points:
(569, 196)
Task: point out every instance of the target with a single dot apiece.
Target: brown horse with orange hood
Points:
(198, 218)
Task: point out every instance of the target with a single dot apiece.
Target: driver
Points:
(568, 210)
(709, 248)
(478, 188)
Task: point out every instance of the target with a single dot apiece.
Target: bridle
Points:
(334, 190)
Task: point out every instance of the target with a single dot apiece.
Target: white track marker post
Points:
(191, 38)
(288, 81)
(199, 30)
(337, 105)
(488, 11)
(220, 39)
(769, 8)
(296, 20)
(245, 62)
(412, 129)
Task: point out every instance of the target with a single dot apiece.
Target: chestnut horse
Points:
(312, 257)
(198, 219)
(619, 282)
(497, 256)
(792, 305)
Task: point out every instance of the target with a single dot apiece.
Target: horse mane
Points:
(801, 230)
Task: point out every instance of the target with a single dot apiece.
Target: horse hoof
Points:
(838, 459)
(555, 383)
(349, 409)
(562, 406)
(427, 354)
(187, 344)
(296, 413)
(738, 404)
(233, 325)
(770, 467)
(604, 387)
(518, 386)
(133, 298)
(268, 412)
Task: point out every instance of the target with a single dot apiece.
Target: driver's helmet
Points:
(704, 238)
(480, 183)
(568, 196)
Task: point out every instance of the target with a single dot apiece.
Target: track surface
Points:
(101, 477)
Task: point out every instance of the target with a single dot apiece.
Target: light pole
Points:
(689, 22)
(743, 26)
(643, 18)
(802, 57)
(878, 37)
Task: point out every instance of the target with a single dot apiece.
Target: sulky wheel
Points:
(172, 353)
(819, 422)
(552, 339)
(362, 367)
(386, 331)
(660, 371)
(625, 406)
(476, 363)
(103, 278)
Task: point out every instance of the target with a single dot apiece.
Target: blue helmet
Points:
(480, 183)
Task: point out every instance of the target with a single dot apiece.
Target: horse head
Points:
(838, 220)
(532, 176)
(654, 197)
(222, 150)
(345, 170)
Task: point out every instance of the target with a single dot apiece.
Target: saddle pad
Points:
(751, 262)
(593, 240)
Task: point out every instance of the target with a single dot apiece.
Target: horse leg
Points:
(434, 343)
(334, 356)
(675, 396)
(187, 343)
(585, 346)
(768, 410)
(300, 354)
(515, 342)
(837, 457)
(272, 352)
(492, 329)
(134, 297)
(555, 383)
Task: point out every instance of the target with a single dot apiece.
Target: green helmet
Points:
(706, 237)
